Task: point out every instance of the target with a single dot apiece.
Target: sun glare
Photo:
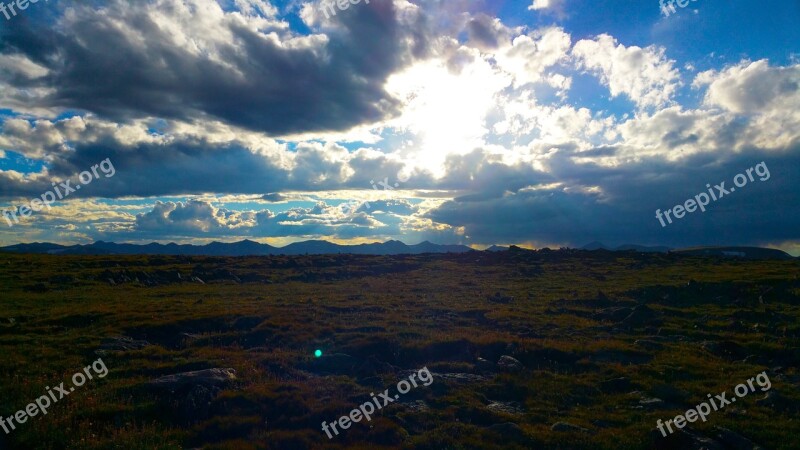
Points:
(444, 112)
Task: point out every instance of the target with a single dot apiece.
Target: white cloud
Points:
(750, 88)
(769, 95)
(529, 56)
(645, 75)
(539, 5)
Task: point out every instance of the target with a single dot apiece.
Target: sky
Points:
(537, 122)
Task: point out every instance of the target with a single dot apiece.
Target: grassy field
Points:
(603, 345)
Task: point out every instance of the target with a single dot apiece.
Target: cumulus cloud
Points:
(530, 56)
(554, 6)
(645, 75)
(228, 122)
(190, 60)
(752, 87)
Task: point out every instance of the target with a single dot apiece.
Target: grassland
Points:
(607, 342)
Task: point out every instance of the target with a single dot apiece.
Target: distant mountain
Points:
(252, 248)
(595, 246)
(496, 248)
(737, 252)
(35, 247)
(242, 248)
(642, 248)
(627, 247)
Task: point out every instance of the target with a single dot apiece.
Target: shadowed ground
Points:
(566, 349)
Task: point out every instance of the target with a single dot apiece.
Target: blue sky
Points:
(541, 123)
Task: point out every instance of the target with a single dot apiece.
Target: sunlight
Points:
(445, 112)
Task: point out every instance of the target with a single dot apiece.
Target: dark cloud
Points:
(486, 32)
(623, 211)
(276, 84)
(274, 198)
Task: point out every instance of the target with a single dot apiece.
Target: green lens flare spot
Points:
(318, 353)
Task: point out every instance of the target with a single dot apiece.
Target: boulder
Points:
(190, 394)
(682, 439)
(775, 401)
(508, 364)
(460, 377)
(484, 366)
(652, 403)
(209, 378)
(616, 385)
(120, 344)
(512, 408)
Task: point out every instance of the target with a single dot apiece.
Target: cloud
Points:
(487, 33)
(769, 96)
(617, 205)
(547, 5)
(530, 56)
(752, 88)
(645, 75)
(274, 198)
(194, 60)
(200, 218)
(238, 121)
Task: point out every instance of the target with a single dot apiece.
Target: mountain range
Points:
(723, 251)
(241, 248)
(318, 247)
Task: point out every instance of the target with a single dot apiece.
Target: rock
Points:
(652, 403)
(775, 401)
(120, 344)
(509, 364)
(725, 349)
(614, 314)
(417, 406)
(615, 385)
(209, 377)
(671, 393)
(509, 430)
(190, 394)
(735, 441)
(460, 377)
(513, 408)
(566, 427)
(483, 366)
(682, 439)
(372, 367)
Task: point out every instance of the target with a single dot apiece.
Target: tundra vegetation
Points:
(528, 349)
